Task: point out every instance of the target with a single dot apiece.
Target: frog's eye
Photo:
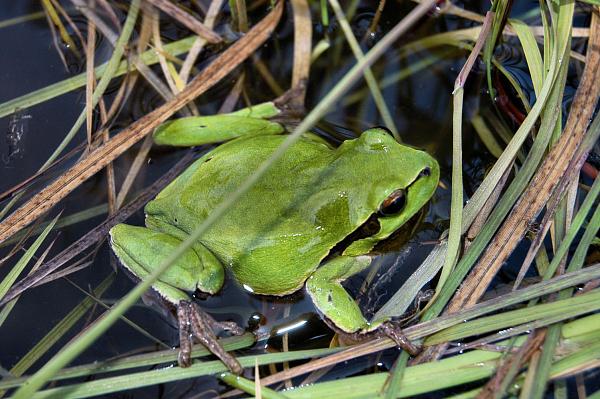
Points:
(393, 204)
(425, 172)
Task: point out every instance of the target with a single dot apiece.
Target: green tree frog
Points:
(279, 236)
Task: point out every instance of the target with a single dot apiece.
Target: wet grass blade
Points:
(456, 206)
(531, 51)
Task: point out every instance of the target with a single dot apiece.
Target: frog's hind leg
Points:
(141, 250)
(194, 322)
(336, 304)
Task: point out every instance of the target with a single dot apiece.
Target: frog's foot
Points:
(195, 323)
(392, 330)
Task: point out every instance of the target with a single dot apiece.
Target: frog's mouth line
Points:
(371, 227)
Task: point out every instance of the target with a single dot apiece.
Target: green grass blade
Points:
(543, 371)
(249, 386)
(452, 371)
(578, 221)
(500, 8)
(419, 379)
(5, 23)
(531, 51)
(169, 374)
(577, 362)
(513, 298)
(14, 273)
(151, 359)
(456, 204)
(595, 395)
(59, 330)
(562, 309)
(396, 376)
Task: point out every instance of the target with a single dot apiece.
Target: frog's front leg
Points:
(331, 298)
(141, 250)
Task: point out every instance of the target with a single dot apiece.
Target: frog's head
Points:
(399, 179)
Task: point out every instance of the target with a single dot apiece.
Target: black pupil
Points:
(393, 204)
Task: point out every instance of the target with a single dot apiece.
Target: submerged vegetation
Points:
(504, 97)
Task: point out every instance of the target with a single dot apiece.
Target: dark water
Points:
(421, 108)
